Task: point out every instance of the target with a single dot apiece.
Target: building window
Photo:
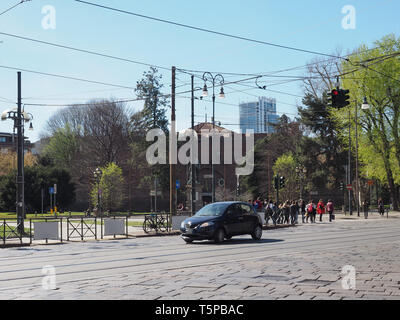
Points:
(3, 139)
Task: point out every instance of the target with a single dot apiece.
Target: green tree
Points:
(285, 166)
(37, 178)
(152, 116)
(374, 74)
(111, 188)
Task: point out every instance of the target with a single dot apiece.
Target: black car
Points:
(222, 220)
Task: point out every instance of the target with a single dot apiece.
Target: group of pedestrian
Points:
(289, 211)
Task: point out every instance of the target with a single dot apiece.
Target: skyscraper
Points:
(258, 116)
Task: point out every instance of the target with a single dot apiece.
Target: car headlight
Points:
(183, 225)
(207, 224)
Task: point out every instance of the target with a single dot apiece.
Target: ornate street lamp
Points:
(19, 117)
(209, 77)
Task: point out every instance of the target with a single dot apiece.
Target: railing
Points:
(61, 229)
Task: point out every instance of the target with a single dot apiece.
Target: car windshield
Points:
(212, 210)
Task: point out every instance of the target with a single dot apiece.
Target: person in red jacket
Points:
(320, 209)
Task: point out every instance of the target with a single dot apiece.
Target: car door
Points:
(233, 219)
(248, 218)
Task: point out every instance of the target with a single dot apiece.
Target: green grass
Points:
(12, 215)
(11, 232)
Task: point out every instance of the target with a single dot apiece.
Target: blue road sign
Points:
(51, 190)
(178, 184)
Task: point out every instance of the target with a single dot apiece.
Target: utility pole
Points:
(357, 176)
(192, 171)
(172, 149)
(20, 161)
(349, 166)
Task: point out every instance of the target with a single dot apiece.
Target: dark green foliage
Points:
(36, 178)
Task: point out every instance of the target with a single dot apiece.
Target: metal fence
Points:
(62, 229)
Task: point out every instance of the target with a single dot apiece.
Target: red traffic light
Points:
(335, 92)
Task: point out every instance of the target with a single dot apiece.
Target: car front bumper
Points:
(198, 233)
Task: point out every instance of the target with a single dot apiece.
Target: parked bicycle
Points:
(155, 222)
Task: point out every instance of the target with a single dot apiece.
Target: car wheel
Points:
(219, 236)
(188, 241)
(257, 232)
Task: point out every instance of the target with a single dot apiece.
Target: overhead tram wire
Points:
(208, 30)
(191, 72)
(83, 51)
(14, 6)
(67, 77)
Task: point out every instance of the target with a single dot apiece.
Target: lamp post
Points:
(209, 77)
(364, 106)
(19, 117)
(97, 175)
(301, 172)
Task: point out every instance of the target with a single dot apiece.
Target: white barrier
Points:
(46, 230)
(177, 220)
(114, 227)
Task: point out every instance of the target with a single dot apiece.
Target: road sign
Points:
(153, 193)
(51, 190)
(178, 184)
(349, 187)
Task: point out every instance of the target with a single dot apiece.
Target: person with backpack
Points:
(269, 212)
(330, 209)
(311, 211)
(320, 209)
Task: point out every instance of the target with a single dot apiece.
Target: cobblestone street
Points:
(303, 262)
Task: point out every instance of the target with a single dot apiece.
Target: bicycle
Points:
(155, 222)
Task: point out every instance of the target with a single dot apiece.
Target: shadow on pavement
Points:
(237, 241)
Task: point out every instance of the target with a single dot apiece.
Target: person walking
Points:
(269, 212)
(311, 211)
(294, 212)
(381, 207)
(302, 209)
(366, 208)
(286, 212)
(320, 209)
(330, 209)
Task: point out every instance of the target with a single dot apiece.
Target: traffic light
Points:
(343, 98)
(282, 182)
(341, 186)
(276, 182)
(332, 98)
(338, 98)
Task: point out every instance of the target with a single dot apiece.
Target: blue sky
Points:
(308, 24)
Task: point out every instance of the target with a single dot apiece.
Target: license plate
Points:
(189, 231)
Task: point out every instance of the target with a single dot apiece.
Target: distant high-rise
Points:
(258, 116)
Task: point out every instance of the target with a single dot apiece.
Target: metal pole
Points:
(42, 192)
(357, 177)
(155, 195)
(20, 160)
(349, 165)
(212, 149)
(192, 171)
(172, 151)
